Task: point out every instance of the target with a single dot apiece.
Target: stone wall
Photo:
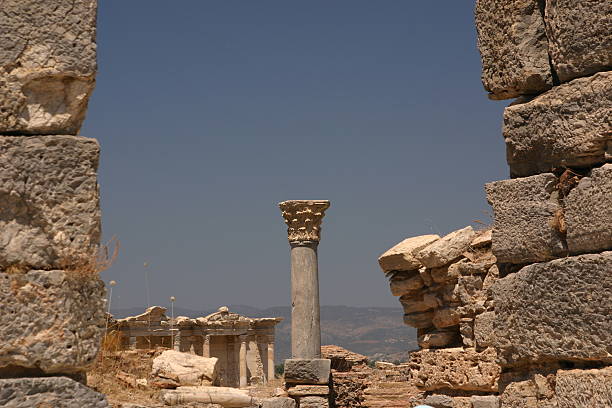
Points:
(551, 326)
(52, 318)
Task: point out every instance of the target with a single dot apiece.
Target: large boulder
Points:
(513, 47)
(555, 311)
(41, 392)
(527, 215)
(579, 36)
(566, 126)
(51, 321)
(588, 212)
(47, 65)
(50, 211)
(186, 369)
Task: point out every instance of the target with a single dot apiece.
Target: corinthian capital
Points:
(303, 219)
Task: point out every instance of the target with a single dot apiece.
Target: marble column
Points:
(243, 361)
(303, 218)
(270, 353)
(206, 347)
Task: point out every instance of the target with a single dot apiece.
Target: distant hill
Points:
(377, 332)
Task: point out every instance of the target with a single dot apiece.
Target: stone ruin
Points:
(243, 346)
(52, 319)
(521, 316)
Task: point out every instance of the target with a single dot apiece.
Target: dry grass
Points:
(81, 265)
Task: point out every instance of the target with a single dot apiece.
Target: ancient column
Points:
(270, 358)
(206, 348)
(303, 218)
(243, 361)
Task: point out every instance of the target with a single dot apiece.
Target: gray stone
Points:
(558, 310)
(43, 392)
(47, 65)
(485, 401)
(313, 402)
(307, 371)
(401, 256)
(566, 126)
(579, 36)
(446, 249)
(50, 197)
(525, 210)
(584, 388)
(51, 321)
(483, 329)
(513, 47)
(588, 213)
(439, 401)
(278, 402)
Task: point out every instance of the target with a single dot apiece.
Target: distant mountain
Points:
(377, 332)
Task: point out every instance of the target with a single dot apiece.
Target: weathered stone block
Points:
(47, 65)
(485, 401)
(566, 126)
(278, 402)
(439, 401)
(534, 392)
(455, 368)
(51, 321)
(49, 191)
(306, 371)
(513, 47)
(313, 402)
(579, 36)
(401, 257)
(56, 392)
(406, 282)
(483, 329)
(588, 212)
(584, 388)
(558, 310)
(447, 249)
(305, 390)
(525, 211)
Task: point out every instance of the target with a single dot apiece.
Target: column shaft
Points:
(305, 315)
(271, 359)
(243, 362)
(206, 347)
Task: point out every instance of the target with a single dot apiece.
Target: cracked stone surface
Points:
(47, 65)
(49, 188)
(56, 392)
(570, 125)
(513, 48)
(579, 36)
(557, 310)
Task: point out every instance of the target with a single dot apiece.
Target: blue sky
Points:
(211, 112)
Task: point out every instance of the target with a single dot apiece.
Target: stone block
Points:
(455, 368)
(447, 249)
(437, 338)
(485, 401)
(483, 329)
(406, 282)
(42, 392)
(536, 393)
(439, 401)
(584, 388)
(307, 371)
(579, 36)
(51, 321)
(420, 320)
(513, 47)
(568, 126)
(47, 65)
(313, 402)
(50, 198)
(525, 211)
(401, 256)
(305, 390)
(588, 212)
(278, 402)
(558, 310)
